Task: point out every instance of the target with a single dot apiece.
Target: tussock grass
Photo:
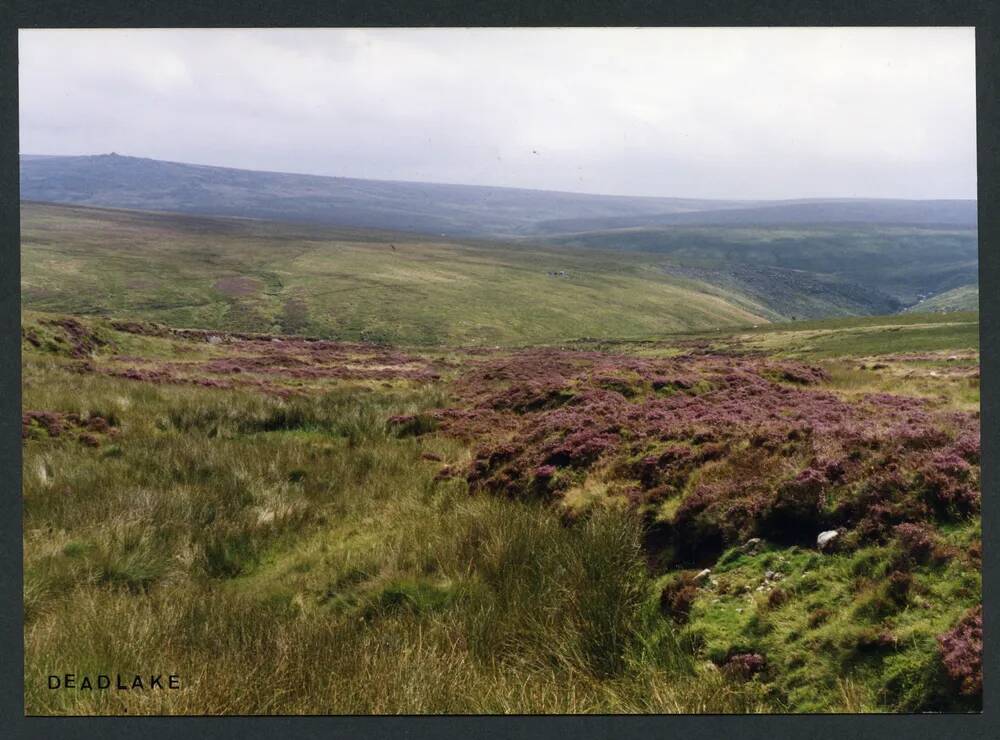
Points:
(300, 557)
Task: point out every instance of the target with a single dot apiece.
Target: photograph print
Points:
(500, 371)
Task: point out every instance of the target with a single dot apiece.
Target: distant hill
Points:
(115, 181)
(960, 213)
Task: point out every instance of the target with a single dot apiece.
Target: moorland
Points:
(318, 467)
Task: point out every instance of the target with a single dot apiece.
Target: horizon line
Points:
(800, 199)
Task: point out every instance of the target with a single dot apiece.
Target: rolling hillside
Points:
(242, 275)
(771, 261)
(963, 298)
(808, 271)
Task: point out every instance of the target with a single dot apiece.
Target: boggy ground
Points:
(299, 526)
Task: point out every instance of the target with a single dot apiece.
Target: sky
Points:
(702, 113)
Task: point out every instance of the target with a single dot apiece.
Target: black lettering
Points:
(86, 683)
(154, 682)
(69, 680)
(103, 682)
(174, 681)
(118, 683)
(54, 682)
(137, 682)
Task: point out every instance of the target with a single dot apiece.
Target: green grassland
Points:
(299, 556)
(258, 276)
(963, 298)
(832, 339)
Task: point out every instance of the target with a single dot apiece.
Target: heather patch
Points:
(64, 336)
(237, 286)
(961, 651)
(282, 366)
(738, 447)
(90, 430)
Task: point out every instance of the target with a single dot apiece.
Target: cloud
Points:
(735, 113)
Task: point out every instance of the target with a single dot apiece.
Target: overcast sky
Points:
(728, 113)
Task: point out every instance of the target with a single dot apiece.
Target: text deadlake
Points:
(118, 682)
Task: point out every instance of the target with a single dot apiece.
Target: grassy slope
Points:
(963, 298)
(826, 338)
(869, 336)
(808, 270)
(222, 533)
(349, 284)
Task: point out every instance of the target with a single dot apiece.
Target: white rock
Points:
(703, 575)
(825, 538)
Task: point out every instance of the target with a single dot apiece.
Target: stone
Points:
(702, 575)
(825, 538)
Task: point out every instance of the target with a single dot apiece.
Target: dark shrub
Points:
(918, 542)
(975, 551)
(777, 597)
(796, 511)
(802, 374)
(677, 598)
(744, 666)
(579, 449)
(871, 639)
(89, 440)
(545, 471)
(967, 447)
(961, 651)
(413, 425)
(949, 486)
(898, 586)
(819, 616)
